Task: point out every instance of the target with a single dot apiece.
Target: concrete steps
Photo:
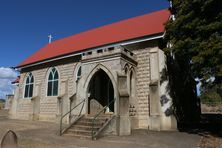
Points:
(83, 127)
(78, 136)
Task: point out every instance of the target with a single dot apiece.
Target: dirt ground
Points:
(211, 141)
(36, 134)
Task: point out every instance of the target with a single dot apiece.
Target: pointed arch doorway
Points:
(100, 93)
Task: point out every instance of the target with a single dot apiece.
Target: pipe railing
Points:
(97, 115)
(61, 130)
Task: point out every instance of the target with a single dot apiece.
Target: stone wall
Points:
(142, 86)
(113, 62)
(48, 105)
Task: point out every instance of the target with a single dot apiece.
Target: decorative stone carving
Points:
(132, 110)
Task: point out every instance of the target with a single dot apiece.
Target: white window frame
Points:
(30, 83)
(53, 80)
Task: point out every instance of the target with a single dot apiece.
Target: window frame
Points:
(53, 81)
(28, 76)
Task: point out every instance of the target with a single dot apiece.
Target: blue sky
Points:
(26, 24)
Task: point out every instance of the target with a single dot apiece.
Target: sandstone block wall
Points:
(48, 105)
(113, 63)
(142, 86)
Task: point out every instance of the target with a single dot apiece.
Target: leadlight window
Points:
(53, 82)
(29, 83)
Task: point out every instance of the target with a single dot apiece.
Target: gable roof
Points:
(141, 26)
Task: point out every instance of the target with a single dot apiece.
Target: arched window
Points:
(78, 71)
(126, 67)
(126, 70)
(131, 83)
(29, 83)
(53, 82)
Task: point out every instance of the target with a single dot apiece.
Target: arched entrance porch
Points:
(100, 93)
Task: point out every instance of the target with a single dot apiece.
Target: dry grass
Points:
(211, 141)
(211, 108)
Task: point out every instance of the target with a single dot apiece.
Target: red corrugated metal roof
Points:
(148, 24)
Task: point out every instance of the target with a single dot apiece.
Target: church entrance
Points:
(100, 93)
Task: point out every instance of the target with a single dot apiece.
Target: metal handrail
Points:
(69, 112)
(94, 119)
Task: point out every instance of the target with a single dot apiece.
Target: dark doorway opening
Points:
(100, 91)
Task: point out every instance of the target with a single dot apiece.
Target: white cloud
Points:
(7, 75)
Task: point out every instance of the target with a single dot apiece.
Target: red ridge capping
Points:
(148, 24)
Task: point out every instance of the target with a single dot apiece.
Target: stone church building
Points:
(112, 72)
